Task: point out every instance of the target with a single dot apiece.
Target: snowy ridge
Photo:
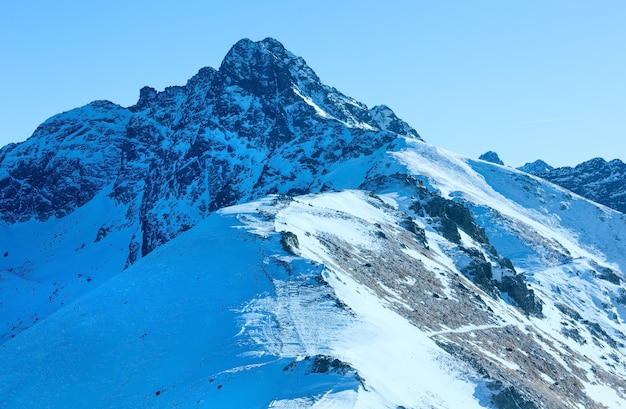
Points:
(363, 328)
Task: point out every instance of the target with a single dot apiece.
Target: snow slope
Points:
(178, 328)
(221, 307)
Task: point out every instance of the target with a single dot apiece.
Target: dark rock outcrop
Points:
(492, 157)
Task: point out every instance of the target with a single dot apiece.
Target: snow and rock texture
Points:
(65, 163)
(258, 239)
(492, 157)
(261, 124)
(601, 181)
(536, 167)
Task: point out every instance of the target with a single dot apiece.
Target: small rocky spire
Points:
(492, 157)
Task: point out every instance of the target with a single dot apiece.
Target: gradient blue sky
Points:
(528, 79)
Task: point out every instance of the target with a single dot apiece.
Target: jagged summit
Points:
(387, 120)
(263, 123)
(248, 60)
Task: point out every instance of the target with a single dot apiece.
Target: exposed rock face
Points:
(69, 158)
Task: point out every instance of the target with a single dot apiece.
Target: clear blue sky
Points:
(528, 79)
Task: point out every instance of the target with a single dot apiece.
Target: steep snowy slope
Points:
(47, 265)
(257, 239)
(223, 317)
(569, 249)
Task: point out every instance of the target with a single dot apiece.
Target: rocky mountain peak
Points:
(263, 123)
(147, 95)
(319, 234)
(492, 157)
(536, 167)
(387, 120)
(262, 65)
(205, 76)
(595, 165)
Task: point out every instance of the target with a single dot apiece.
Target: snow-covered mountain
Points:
(536, 167)
(596, 179)
(256, 239)
(492, 157)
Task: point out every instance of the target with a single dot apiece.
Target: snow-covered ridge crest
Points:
(315, 222)
(338, 295)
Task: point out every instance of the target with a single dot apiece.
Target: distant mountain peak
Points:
(492, 157)
(536, 167)
(596, 179)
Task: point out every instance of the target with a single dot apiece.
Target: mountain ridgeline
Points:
(256, 238)
(596, 179)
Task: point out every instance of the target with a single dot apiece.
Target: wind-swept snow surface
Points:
(184, 327)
